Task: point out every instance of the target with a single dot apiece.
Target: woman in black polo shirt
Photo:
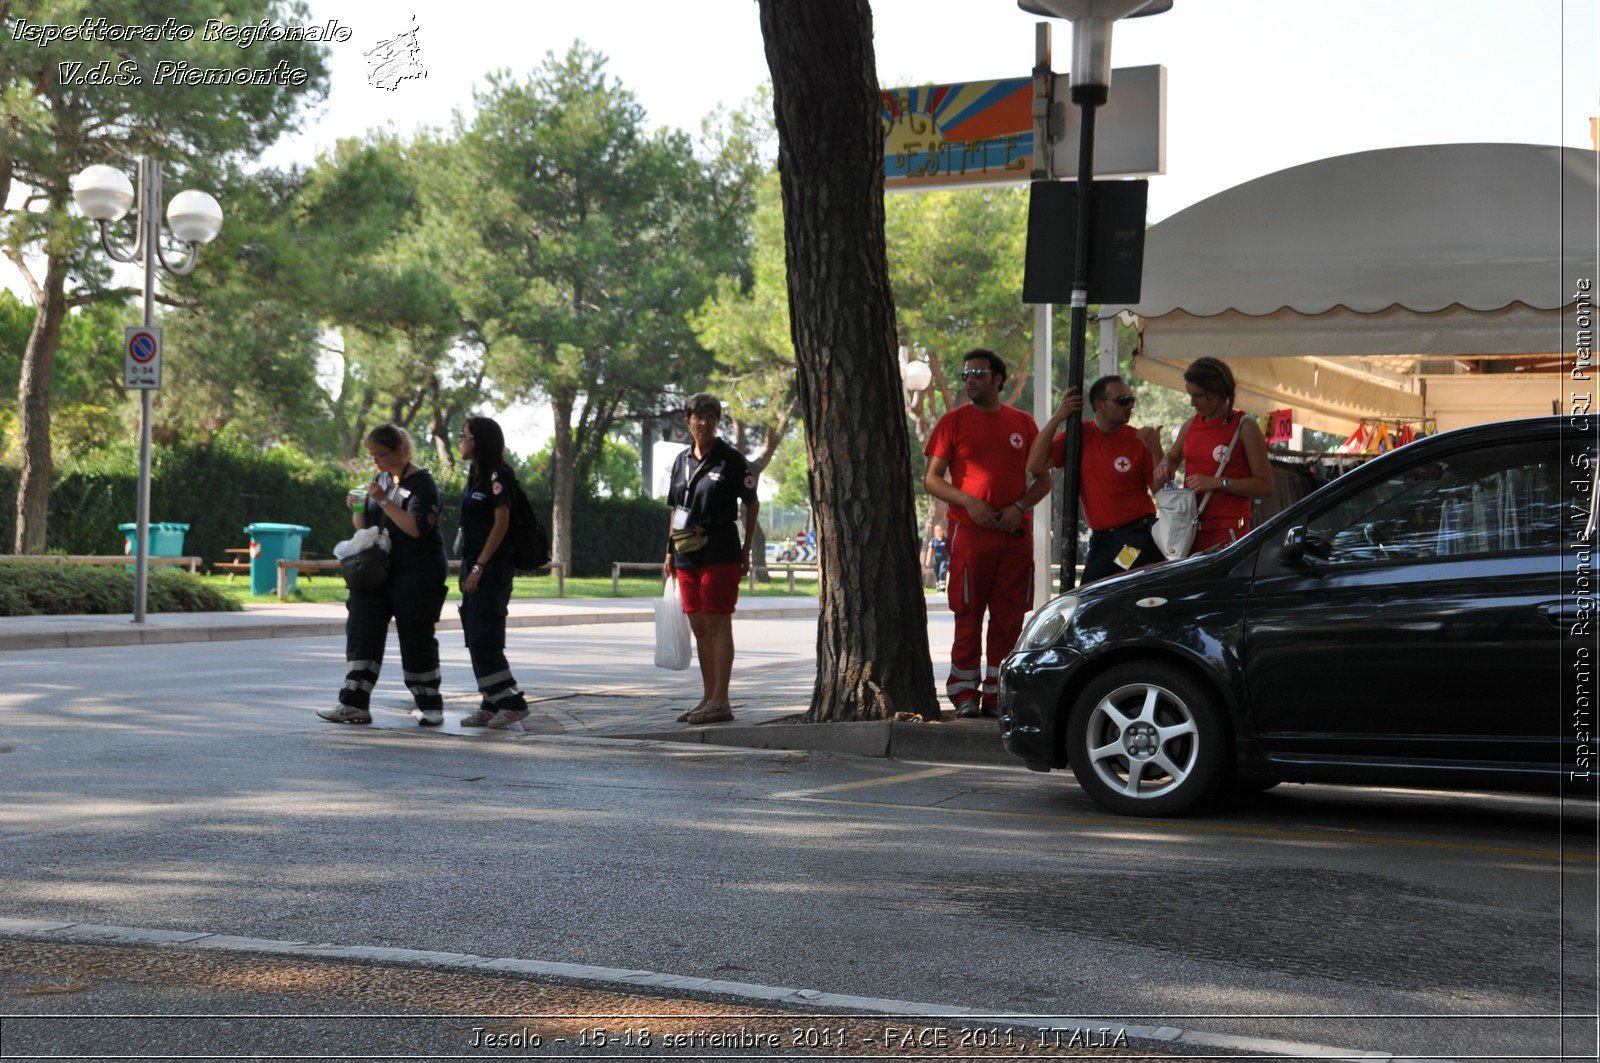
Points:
(403, 499)
(709, 480)
(487, 568)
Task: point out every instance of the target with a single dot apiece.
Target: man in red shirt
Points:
(983, 445)
(1117, 474)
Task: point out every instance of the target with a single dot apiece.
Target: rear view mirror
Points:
(1297, 543)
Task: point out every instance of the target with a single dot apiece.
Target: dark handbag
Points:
(367, 570)
(690, 540)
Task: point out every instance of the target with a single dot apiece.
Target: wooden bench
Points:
(305, 565)
(618, 567)
(191, 563)
(811, 567)
(238, 561)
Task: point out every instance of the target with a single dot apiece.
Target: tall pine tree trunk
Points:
(872, 638)
(563, 456)
(33, 397)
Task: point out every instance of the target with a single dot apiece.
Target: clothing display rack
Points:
(1297, 473)
(1375, 435)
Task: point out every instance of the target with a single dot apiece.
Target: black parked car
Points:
(1422, 620)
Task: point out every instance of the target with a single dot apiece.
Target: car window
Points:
(1483, 501)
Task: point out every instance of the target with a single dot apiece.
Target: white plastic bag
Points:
(365, 539)
(672, 630)
(1177, 521)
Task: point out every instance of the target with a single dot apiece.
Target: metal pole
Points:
(1044, 313)
(150, 223)
(1087, 97)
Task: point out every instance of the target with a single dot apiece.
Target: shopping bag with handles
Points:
(672, 630)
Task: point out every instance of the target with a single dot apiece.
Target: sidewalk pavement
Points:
(310, 619)
(768, 699)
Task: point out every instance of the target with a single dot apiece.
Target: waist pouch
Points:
(690, 540)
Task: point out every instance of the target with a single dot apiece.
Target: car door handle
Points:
(1561, 614)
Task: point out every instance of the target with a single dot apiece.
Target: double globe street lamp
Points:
(105, 195)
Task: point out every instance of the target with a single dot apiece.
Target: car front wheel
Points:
(1147, 740)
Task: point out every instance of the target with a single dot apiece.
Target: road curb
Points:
(295, 629)
(977, 742)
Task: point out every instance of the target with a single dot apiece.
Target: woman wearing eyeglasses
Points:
(404, 500)
(1223, 453)
(1116, 473)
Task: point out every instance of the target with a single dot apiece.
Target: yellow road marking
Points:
(1172, 825)
(861, 784)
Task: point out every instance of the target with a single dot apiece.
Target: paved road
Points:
(188, 788)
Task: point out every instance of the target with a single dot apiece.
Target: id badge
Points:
(1127, 556)
(680, 518)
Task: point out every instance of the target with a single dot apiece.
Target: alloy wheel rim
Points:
(1142, 740)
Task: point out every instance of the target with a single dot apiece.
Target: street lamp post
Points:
(104, 194)
(1090, 85)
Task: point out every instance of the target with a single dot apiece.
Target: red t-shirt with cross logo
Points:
(1116, 471)
(987, 451)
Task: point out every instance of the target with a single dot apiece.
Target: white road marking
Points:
(94, 934)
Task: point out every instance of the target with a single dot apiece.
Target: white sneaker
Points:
(430, 717)
(345, 714)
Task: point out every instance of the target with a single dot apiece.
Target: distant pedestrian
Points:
(709, 480)
(403, 500)
(1218, 434)
(938, 556)
(487, 570)
(983, 445)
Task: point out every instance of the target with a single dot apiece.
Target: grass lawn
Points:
(329, 587)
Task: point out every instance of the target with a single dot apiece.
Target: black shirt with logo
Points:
(711, 489)
(418, 495)
(478, 505)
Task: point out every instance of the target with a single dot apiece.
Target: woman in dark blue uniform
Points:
(404, 500)
(486, 572)
(709, 480)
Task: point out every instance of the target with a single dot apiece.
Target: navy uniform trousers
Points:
(483, 622)
(413, 597)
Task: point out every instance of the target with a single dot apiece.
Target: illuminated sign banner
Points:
(981, 132)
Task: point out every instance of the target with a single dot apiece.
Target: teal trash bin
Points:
(268, 543)
(166, 540)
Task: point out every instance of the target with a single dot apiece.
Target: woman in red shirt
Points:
(1201, 446)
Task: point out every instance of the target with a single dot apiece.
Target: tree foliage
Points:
(52, 129)
(597, 238)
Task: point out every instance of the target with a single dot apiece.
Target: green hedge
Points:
(218, 489)
(53, 590)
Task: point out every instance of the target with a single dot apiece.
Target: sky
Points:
(1254, 86)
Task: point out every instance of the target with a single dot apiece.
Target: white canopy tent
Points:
(1421, 282)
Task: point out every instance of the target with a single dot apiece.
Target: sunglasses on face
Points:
(1124, 400)
(973, 374)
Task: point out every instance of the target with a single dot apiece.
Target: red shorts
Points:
(710, 588)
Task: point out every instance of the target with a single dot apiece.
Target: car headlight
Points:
(1047, 623)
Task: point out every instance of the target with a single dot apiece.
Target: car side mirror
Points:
(1298, 542)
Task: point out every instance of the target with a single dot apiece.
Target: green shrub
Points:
(55, 590)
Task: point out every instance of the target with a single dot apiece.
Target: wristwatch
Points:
(1224, 483)
(476, 568)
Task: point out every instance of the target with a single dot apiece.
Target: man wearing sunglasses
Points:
(1117, 474)
(983, 446)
